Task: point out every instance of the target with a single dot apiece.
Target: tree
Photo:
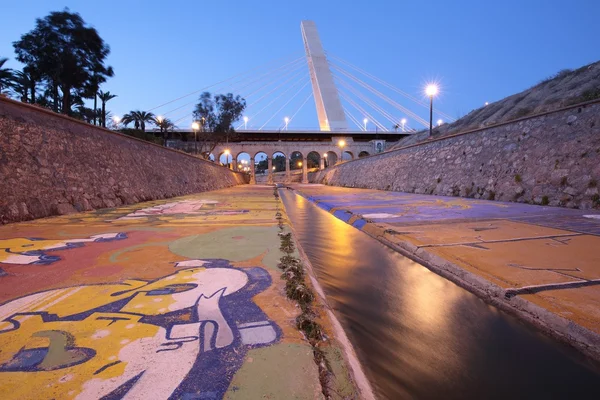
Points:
(139, 119)
(6, 75)
(105, 97)
(20, 85)
(216, 117)
(66, 52)
(166, 126)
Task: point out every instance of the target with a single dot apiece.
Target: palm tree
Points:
(139, 118)
(104, 98)
(164, 124)
(6, 74)
(21, 84)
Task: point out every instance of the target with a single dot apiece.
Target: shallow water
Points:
(421, 336)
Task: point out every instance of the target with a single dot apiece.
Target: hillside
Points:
(565, 88)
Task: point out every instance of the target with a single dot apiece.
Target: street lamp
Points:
(325, 162)
(403, 122)
(439, 122)
(195, 127)
(365, 123)
(286, 120)
(227, 152)
(116, 120)
(431, 90)
(342, 143)
(299, 163)
(245, 123)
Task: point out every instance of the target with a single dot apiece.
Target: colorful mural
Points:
(166, 300)
(136, 337)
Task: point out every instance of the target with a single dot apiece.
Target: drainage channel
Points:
(421, 336)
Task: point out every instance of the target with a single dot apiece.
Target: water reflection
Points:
(419, 335)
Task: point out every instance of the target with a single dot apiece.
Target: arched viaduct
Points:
(329, 146)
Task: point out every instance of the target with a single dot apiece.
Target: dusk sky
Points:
(478, 50)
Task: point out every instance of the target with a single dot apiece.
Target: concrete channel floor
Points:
(178, 298)
(548, 256)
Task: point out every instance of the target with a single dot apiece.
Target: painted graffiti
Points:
(180, 336)
(34, 251)
(189, 207)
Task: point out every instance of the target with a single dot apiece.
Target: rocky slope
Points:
(565, 88)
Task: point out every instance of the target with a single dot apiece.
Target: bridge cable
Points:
(300, 108)
(222, 81)
(275, 99)
(353, 119)
(369, 102)
(231, 85)
(363, 111)
(283, 106)
(382, 96)
(390, 86)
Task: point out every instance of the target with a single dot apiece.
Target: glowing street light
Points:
(299, 163)
(116, 119)
(286, 120)
(245, 123)
(403, 122)
(487, 104)
(431, 90)
(195, 127)
(365, 123)
(342, 143)
(227, 153)
(273, 168)
(439, 122)
(160, 119)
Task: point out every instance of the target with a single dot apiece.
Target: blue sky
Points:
(478, 50)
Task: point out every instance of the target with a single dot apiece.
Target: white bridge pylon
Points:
(329, 108)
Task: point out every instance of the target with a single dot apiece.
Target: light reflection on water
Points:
(419, 335)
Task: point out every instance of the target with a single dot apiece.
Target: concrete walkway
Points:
(542, 263)
(180, 298)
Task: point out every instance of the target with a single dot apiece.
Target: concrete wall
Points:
(552, 158)
(51, 165)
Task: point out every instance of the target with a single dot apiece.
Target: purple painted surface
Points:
(404, 208)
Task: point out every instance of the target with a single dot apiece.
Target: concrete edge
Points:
(360, 380)
(562, 329)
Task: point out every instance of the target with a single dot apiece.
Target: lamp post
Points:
(227, 153)
(286, 120)
(116, 119)
(195, 127)
(439, 122)
(325, 157)
(403, 122)
(365, 123)
(245, 123)
(431, 90)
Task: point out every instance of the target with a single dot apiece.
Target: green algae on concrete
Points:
(281, 371)
(238, 244)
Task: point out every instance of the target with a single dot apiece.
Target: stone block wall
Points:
(51, 164)
(552, 159)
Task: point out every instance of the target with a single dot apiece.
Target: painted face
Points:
(184, 289)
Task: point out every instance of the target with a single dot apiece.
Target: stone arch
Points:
(313, 159)
(363, 154)
(243, 161)
(279, 159)
(296, 160)
(260, 162)
(331, 159)
(211, 157)
(347, 155)
(225, 158)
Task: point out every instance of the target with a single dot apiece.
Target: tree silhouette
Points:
(67, 53)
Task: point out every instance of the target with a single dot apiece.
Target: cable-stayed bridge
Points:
(358, 113)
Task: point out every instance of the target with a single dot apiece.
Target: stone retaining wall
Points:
(51, 164)
(552, 158)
